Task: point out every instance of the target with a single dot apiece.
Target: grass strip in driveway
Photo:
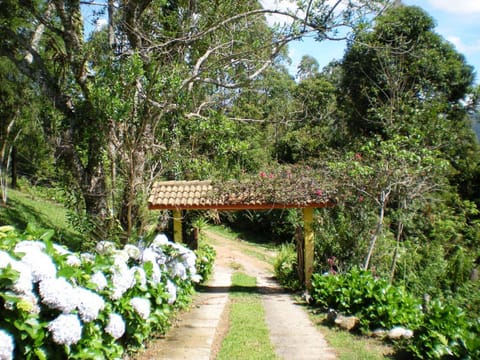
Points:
(248, 336)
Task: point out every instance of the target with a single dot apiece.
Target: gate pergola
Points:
(179, 196)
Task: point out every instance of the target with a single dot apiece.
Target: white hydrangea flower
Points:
(5, 259)
(177, 269)
(122, 279)
(120, 256)
(7, 345)
(60, 249)
(115, 326)
(99, 280)
(180, 248)
(66, 329)
(148, 255)
(190, 259)
(139, 273)
(87, 258)
(132, 251)
(89, 304)
(162, 258)
(73, 260)
(172, 292)
(196, 278)
(161, 239)
(23, 285)
(27, 246)
(29, 303)
(156, 274)
(105, 247)
(41, 265)
(58, 294)
(141, 306)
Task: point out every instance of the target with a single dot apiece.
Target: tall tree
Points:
(160, 62)
(403, 90)
(398, 66)
(311, 128)
(307, 67)
(15, 97)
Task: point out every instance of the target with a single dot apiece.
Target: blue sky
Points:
(457, 21)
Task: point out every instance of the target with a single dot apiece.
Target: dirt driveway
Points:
(199, 332)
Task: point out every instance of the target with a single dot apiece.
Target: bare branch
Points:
(199, 63)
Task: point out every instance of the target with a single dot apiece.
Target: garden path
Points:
(199, 332)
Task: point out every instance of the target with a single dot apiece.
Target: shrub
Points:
(373, 300)
(446, 333)
(56, 304)
(205, 258)
(285, 267)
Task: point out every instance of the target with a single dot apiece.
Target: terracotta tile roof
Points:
(180, 194)
(205, 195)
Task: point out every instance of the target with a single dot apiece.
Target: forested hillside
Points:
(182, 90)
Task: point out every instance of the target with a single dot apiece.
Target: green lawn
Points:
(27, 208)
(248, 336)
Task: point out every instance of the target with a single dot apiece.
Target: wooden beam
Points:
(308, 251)
(177, 226)
(238, 207)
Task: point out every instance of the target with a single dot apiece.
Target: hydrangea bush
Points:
(56, 304)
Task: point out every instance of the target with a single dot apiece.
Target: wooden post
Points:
(177, 226)
(309, 245)
(299, 244)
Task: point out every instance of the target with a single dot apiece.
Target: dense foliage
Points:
(377, 303)
(158, 92)
(286, 267)
(205, 259)
(56, 304)
(198, 90)
(440, 330)
(404, 157)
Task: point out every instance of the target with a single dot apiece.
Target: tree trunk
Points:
(373, 240)
(135, 162)
(397, 243)
(5, 158)
(395, 253)
(111, 33)
(14, 167)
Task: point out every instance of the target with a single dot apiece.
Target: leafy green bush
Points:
(56, 304)
(285, 267)
(373, 300)
(205, 258)
(446, 333)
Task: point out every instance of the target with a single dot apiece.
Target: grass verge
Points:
(23, 209)
(248, 336)
(349, 346)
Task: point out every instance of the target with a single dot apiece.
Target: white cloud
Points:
(291, 6)
(464, 48)
(100, 23)
(281, 5)
(457, 7)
